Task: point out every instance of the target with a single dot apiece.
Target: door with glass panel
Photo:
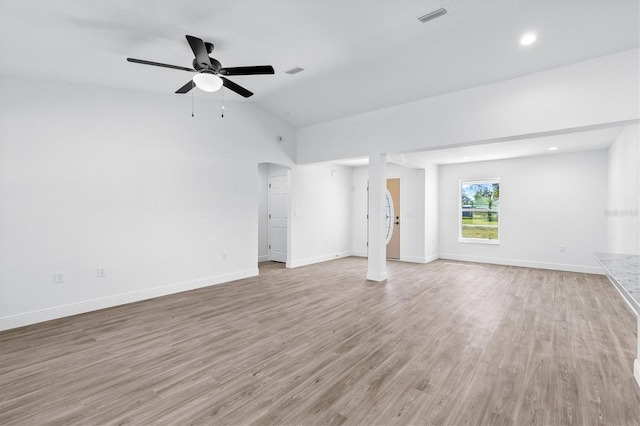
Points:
(392, 218)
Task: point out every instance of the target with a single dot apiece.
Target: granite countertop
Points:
(624, 272)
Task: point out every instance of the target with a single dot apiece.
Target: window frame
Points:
(462, 239)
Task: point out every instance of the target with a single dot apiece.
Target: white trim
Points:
(377, 277)
(263, 258)
(479, 240)
(418, 259)
(56, 312)
(409, 259)
(525, 263)
(431, 258)
(296, 263)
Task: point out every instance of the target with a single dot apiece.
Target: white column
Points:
(377, 261)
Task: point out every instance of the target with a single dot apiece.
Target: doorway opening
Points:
(392, 218)
(273, 212)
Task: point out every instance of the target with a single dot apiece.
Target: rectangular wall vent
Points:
(432, 15)
(294, 70)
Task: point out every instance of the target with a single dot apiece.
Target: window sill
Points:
(478, 241)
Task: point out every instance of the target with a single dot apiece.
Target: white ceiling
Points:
(358, 55)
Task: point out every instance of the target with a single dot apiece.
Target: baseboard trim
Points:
(56, 312)
(379, 277)
(410, 259)
(415, 259)
(596, 270)
(263, 258)
(432, 258)
(318, 259)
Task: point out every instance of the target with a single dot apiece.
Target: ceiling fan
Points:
(211, 74)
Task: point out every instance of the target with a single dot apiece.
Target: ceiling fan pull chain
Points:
(222, 93)
(192, 103)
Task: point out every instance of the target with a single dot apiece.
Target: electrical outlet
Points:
(563, 249)
(102, 272)
(59, 277)
(224, 255)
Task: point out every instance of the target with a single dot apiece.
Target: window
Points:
(480, 211)
(390, 213)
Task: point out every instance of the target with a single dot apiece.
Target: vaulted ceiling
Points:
(357, 55)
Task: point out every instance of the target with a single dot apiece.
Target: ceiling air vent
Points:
(432, 15)
(294, 70)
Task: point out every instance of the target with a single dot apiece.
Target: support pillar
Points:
(377, 260)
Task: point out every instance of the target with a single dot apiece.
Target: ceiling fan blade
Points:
(200, 50)
(258, 69)
(236, 88)
(184, 89)
(158, 64)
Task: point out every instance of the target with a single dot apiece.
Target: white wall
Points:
(129, 181)
(623, 202)
(545, 202)
(320, 213)
(590, 93)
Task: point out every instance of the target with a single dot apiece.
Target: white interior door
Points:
(278, 217)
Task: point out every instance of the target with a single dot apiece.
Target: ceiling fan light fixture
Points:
(207, 81)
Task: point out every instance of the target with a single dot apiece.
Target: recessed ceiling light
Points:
(465, 158)
(553, 148)
(528, 39)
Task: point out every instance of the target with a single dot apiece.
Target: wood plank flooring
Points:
(447, 343)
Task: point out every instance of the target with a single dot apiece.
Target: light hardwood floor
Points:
(443, 343)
